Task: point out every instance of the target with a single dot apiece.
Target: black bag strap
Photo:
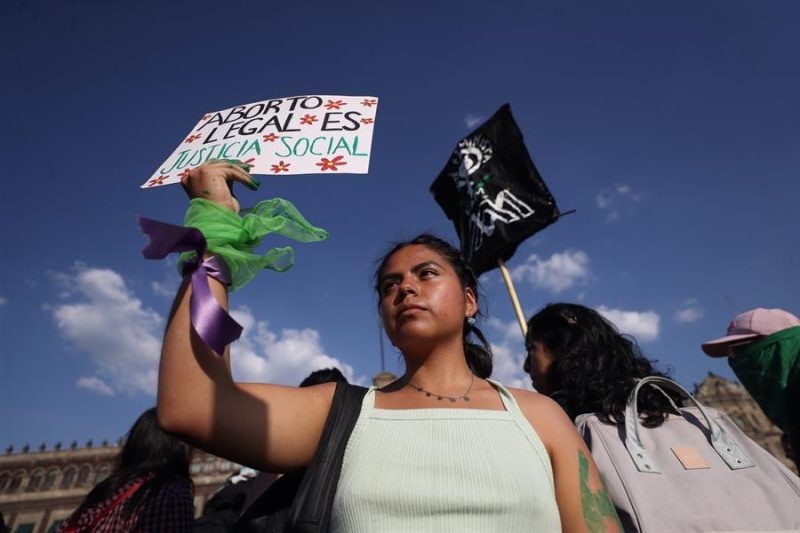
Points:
(311, 509)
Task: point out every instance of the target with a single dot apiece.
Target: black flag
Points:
(493, 193)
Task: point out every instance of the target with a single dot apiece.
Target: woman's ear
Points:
(471, 301)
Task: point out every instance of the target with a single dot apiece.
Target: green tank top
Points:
(445, 470)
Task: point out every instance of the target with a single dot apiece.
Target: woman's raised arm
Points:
(269, 427)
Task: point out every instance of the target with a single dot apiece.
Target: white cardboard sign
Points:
(295, 135)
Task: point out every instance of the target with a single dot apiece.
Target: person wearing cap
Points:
(763, 350)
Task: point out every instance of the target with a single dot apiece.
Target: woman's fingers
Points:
(213, 181)
(240, 172)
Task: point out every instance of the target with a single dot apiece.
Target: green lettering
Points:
(286, 145)
(314, 142)
(247, 149)
(355, 146)
(197, 157)
(181, 157)
(211, 150)
(342, 143)
(224, 152)
(296, 150)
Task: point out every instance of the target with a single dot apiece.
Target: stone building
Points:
(733, 399)
(40, 488)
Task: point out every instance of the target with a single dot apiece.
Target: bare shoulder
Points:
(534, 403)
(548, 419)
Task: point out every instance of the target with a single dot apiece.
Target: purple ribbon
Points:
(210, 320)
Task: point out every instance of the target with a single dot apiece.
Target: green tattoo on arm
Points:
(597, 506)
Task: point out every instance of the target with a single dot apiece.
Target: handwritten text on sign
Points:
(296, 135)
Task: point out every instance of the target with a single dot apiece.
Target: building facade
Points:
(39, 489)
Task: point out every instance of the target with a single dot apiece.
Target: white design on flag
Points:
(471, 154)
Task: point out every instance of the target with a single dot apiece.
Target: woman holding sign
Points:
(442, 448)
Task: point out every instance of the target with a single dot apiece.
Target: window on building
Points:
(83, 475)
(103, 472)
(36, 480)
(24, 528)
(69, 477)
(16, 482)
(5, 478)
(53, 526)
(50, 478)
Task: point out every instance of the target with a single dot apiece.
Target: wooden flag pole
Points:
(523, 324)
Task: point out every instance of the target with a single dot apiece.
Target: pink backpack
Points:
(696, 472)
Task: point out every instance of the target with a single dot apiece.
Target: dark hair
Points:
(479, 358)
(594, 367)
(147, 449)
(323, 375)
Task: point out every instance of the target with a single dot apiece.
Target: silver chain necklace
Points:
(453, 399)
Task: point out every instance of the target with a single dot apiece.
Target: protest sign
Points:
(295, 135)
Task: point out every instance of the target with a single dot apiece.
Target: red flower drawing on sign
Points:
(249, 161)
(280, 167)
(337, 104)
(367, 120)
(206, 116)
(309, 119)
(369, 102)
(157, 181)
(192, 138)
(330, 164)
(183, 174)
(270, 137)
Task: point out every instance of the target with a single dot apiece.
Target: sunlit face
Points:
(537, 364)
(421, 297)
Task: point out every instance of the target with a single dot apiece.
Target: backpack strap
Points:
(311, 509)
(725, 445)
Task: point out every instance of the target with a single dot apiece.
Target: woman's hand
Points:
(214, 179)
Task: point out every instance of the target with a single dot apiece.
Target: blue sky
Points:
(672, 127)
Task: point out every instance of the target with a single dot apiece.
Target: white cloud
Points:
(168, 285)
(603, 200)
(643, 325)
(3, 301)
(689, 312)
(107, 322)
(556, 274)
(472, 120)
(164, 288)
(508, 347)
(261, 355)
(95, 385)
(622, 196)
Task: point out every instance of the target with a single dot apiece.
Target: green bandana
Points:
(769, 369)
(234, 238)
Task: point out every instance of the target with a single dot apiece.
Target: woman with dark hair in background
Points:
(579, 359)
(150, 490)
(442, 448)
